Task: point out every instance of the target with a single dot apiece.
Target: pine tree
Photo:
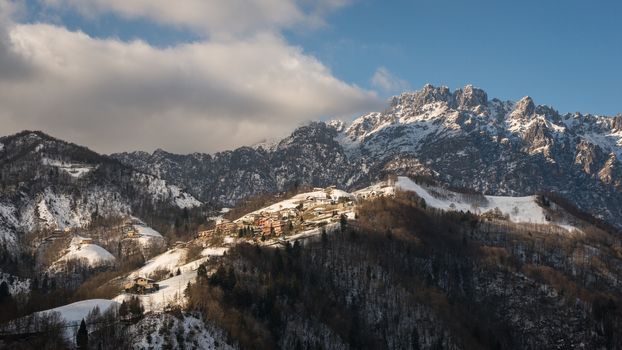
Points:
(343, 222)
(82, 338)
(123, 309)
(202, 271)
(136, 308)
(5, 294)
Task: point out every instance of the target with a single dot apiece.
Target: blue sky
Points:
(564, 53)
(567, 54)
(208, 75)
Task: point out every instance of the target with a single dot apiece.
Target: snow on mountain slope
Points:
(76, 170)
(75, 312)
(81, 249)
(171, 290)
(159, 331)
(169, 260)
(147, 237)
(53, 210)
(380, 188)
(517, 209)
(317, 195)
(214, 251)
(161, 190)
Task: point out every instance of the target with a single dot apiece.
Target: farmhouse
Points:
(140, 285)
(85, 240)
(130, 231)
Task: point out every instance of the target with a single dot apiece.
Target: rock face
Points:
(461, 138)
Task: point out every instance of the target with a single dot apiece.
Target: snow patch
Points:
(76, 170)
(214, 251)
(518, 209)
(75, 312)
(82, 249)
(169, 260)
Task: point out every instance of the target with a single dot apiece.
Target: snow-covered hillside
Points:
(83, 249)
(167, 261)
(147, 237)
(75, 170)
(54, 210)
(317, 196)
(171, 290)
(516, 209)
(49, 184)
(159, 331)
(161, 190)
(75, 312)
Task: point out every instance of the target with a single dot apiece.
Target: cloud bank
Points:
(205, 96)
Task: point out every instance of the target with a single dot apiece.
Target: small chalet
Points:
(86, 240)
(130, 231)
(141, 285)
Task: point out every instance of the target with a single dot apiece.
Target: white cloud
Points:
(206, 96)
(386, 81)
(217, 18)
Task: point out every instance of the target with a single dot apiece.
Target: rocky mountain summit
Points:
(461, 138)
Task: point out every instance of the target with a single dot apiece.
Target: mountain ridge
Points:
(50, 184)
(461, 138)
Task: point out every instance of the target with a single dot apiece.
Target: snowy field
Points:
(169, 260)
(517, 209)
(171, 290)
(75, 312)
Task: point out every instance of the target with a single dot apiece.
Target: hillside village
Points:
(303, 214)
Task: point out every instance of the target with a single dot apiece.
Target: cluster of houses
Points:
(302, 212)
(267, 224)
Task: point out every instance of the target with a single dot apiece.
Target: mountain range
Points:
(462, 139)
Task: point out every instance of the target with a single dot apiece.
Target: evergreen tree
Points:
(5, 294)
(415, 339)
(202, 271)
(123, 309)
(343, 222)
(135, 307)
(82, 338)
